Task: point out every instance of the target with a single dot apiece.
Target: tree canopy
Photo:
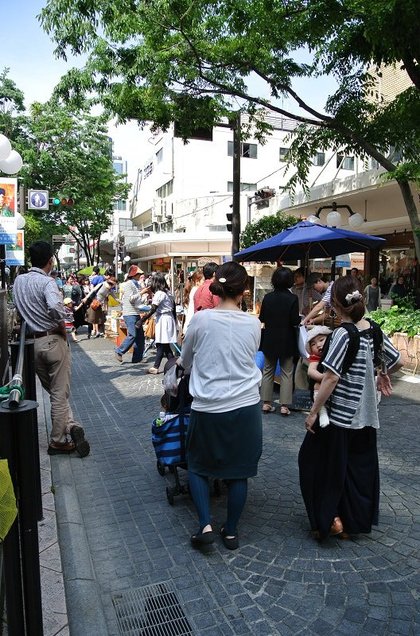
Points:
(191, 61)
(68, 153)
(265, 228)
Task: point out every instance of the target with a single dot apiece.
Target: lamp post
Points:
(334, 218)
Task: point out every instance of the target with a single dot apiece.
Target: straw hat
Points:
(134, 271)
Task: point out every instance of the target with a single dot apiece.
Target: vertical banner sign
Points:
(15, 252)
(8, 202)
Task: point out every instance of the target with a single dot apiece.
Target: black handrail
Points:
(16, 384)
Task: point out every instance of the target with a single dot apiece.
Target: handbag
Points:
(95, 304)
(149, 330)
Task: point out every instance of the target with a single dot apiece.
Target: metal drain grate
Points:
(153, 610)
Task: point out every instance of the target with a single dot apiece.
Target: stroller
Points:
(169, 437)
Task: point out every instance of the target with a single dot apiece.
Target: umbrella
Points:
(307, 240)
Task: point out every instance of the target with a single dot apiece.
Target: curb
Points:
(84, 606)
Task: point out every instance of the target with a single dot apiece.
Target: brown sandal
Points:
(270, 409)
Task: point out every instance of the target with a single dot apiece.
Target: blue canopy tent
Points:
(307, 240)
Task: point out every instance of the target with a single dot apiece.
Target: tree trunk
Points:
(413, 215)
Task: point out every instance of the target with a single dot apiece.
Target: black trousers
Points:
(339, 475)
(162, 351)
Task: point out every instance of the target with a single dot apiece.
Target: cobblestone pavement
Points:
(280, 581)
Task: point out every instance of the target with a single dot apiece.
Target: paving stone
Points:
(280, 581)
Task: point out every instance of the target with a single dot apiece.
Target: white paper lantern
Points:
(5, 147)
(12, 164)
(356, 220)
(314, 219)
(20, 221)
(334, 219)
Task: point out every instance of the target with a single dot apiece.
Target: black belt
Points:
(42, 334)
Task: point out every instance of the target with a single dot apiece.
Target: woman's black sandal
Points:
(231, 543)
(202, 538)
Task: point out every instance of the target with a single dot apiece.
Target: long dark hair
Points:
(230, 281)
(159, 283)
(346, 299)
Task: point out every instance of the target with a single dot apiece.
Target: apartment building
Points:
(184, 190)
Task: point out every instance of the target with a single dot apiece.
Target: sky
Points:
(33, 67)
(29, 54)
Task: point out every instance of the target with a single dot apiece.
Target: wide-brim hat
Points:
(320, 330)
(134, 271)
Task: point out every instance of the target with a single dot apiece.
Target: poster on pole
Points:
(15, 252)
(8, 202)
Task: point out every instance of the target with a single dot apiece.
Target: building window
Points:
(374, 164)
(248, 151)
(318, 159)
(159, 156)
(148, 170)
(282, 153)
(120, 204)
(165, 190)
(244, 186)
(125, 224)
(345, 162)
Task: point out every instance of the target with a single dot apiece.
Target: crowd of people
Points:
(347, 367)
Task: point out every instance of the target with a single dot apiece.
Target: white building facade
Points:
(184, 191)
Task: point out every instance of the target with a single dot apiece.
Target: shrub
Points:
(402, 318)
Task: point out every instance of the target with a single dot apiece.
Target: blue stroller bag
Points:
(169, 439)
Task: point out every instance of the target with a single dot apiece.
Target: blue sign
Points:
(38, 200)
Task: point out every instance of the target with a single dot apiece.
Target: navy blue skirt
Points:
(225, 445)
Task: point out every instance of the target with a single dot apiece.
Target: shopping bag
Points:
(302, 336)
(168, 439)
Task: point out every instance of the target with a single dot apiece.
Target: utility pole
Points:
(236, 207)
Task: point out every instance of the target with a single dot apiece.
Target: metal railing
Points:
(19, 445)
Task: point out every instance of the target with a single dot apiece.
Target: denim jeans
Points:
(134, 338)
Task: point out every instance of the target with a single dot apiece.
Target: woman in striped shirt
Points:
(338, 465)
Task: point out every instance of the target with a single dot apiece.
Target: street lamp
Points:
(334, 218)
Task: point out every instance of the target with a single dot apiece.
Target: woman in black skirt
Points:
(338, 465)
(224, 438)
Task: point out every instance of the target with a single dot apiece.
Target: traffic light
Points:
(64, 201)
(229, 218)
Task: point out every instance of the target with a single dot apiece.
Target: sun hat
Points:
(134, 270)
(320, 330)
(67, 301)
